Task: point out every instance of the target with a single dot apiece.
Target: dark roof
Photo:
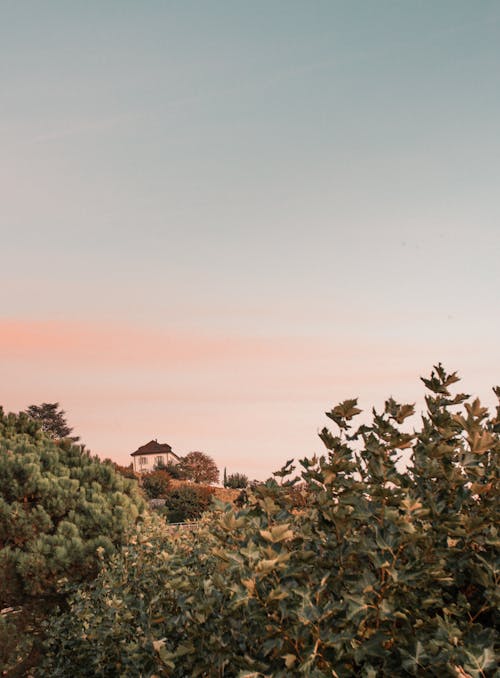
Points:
(154, 447)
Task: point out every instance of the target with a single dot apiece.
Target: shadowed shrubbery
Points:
(156, 484)
(236, 481)
(60, 511)
(380, 572)
(188, 502)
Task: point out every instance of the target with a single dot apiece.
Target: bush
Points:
(380, 573)
(188, 502)
(173, 470)
(120, 637)
(156, 484)
(58, 506)
(125, 471)
(236, 481)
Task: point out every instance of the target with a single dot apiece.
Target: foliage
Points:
(58, 505)
(174, 470)
(236, 481)
(199, 467)
(188, 502)
(125, 471)
(380, 573)
(120, 623)
(156, 484)
(52, 420)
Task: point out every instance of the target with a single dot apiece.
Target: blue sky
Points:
(315, 176)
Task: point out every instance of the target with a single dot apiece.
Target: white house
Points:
(153, 454)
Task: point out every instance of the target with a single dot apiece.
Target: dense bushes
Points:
(58, 506)
(236, 481)
(174, 470)
(187, 502)
(156, 484)
(371, 571)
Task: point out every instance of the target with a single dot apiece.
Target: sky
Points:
(219, 219)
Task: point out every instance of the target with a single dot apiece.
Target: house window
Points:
(159, 461)
(143, 461)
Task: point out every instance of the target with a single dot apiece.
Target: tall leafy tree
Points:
(200, 468)
(52, 420)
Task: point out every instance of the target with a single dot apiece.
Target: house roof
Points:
(154, 447)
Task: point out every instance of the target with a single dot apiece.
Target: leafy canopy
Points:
(199, 467)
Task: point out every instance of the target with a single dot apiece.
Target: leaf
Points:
(481, 442)
(477, 664)
(343, 412)
(249, 584)
(277, 533)
(290, 660)
(413, 661)
(404, 412)
(475, 410)
(266, 565)
(158, 644)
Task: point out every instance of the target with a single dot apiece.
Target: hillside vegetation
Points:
(349, 568)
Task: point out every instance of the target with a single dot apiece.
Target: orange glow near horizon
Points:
(250, 402)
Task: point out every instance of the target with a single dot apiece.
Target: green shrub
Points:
(156, 484)
(236, 481)
(188, 502)
(174, 470)
(381, 572)
(125, 471)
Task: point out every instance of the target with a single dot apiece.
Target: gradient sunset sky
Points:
(218, 219)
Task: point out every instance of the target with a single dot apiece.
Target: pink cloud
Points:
(113, 344)
(252, 402)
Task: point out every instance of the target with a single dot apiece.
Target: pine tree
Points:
(52, 420)
(58, 507)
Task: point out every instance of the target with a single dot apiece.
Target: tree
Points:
(52, 420)
(199, 467)
(236, 481)
(62, 512)
(58, 505)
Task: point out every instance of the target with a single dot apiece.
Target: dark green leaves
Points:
(355, 568)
